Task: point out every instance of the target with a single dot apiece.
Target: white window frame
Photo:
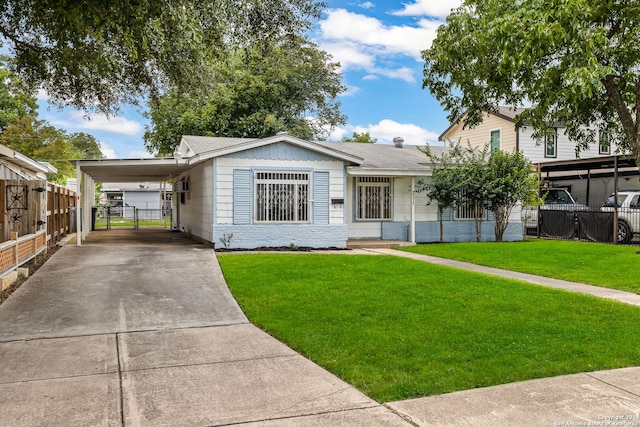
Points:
(604, 136)
(491, 131)
(282, 196)
(368, 189)
(555, 145)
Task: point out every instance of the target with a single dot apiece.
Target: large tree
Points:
(16, 98)
(573, 61)
(288, 85)
(21, 130)
(95, 54)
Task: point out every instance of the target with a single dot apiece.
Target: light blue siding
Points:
(453, 231)
(241, 196)
(276, 235)
(321, 198)
(280, 151)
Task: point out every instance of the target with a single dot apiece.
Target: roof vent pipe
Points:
(397, 141)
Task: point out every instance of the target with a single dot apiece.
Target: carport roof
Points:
(131, 170)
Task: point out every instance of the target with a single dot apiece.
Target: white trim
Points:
(499, 129)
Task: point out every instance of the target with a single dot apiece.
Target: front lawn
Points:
(599, 264)
(397, 328)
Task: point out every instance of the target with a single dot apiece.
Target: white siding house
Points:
(284, 191)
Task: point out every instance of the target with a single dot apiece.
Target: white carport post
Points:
(85, 190)
(78, 202)
(412, 227)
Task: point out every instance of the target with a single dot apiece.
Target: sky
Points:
(377, 44)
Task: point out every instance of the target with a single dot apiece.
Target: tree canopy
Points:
(573, 61)
(21, 130)
(95, 54)
(363, 137)
(288, 85)
(479, 180)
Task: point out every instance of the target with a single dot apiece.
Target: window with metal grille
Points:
(373, 197)
(466, 209)
(281, 196)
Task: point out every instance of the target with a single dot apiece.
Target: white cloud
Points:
(387, 129)
(343, 27)
(80, 120)
(433, 8)
(367, 5)
(109, 152)
(403, 73)
(360, 42)
(349, 54)
(351, 90)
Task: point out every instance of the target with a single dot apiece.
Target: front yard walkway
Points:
(612, 294)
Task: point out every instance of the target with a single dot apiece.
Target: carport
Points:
(91, 172)
(620, 166)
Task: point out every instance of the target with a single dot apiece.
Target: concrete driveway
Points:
(138, 328)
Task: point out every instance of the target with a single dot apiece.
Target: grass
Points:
(397, 328)
(130, 223)
(599, 264)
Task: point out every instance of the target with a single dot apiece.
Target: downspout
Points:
(413, 211)
(517, 140)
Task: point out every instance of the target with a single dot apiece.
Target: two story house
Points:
(499, 131)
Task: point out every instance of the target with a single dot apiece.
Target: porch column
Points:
(412, 227)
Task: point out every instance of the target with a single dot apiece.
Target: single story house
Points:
(283, 191)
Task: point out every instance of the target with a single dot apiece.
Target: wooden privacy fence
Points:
(34, 214)
(60, 203)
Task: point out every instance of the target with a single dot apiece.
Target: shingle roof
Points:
(385, 156)
(203, 144)
(377, 156)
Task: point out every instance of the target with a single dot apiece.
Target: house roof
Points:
(364, 157)
(386, 156)
(381, 159)
(199, 148)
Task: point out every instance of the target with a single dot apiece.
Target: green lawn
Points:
(611, 266)
(397, 328)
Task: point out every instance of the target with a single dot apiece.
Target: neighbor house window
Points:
(281, 196)
(604, 142)
(551, 144)
(495, 140)
(373, 197)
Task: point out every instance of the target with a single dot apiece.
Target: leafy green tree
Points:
(21, 130)
(289, 86)
(86, 146)
(16, 98)
(40, 141)
(445, 179)
(573, 61)
(95, 54)
(474, 184)
(510, 180)
(363, 137)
